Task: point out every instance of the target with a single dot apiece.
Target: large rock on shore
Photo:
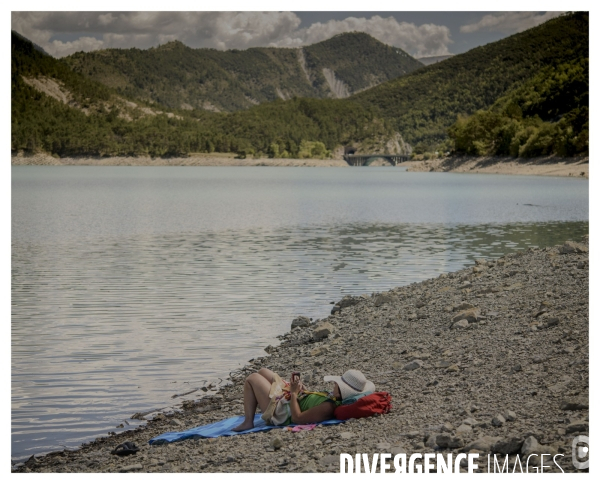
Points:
(471, 315)
(322, 331)
(413, 365)
(463, 307)
(570, 247)
(301, 322)
(484, 444)
(345, 302)
(579, 426)
(383, 299)
(532, 446)
(348, 301)
(448, 441)
(462, 324)
(578, 402)
(510, 445)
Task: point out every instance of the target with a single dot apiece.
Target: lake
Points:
(134, 284)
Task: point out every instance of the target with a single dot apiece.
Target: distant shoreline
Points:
(544, 166)
(220, 159)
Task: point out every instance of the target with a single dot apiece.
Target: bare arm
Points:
(321, 412)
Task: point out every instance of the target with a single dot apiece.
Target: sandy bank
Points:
(491, 358)
(547, 166)
(196, 160)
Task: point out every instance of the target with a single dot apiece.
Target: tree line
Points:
(548, 114)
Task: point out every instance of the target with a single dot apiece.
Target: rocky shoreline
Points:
(493, 358)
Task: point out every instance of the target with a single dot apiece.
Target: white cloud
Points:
(62, 33)
(60, 49)
(509, 22)
(427, 39)
(106, 19)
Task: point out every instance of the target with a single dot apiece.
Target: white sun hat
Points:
(352, 383)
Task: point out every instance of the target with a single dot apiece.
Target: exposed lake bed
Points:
(545, 166)
(202, 159)
(131, 285)
(498, 165)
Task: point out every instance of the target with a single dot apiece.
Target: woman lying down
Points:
(283, 403)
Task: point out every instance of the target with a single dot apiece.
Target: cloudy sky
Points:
(418, 33)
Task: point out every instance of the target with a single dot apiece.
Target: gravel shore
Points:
(493, 358)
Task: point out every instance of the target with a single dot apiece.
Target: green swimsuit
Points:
(309, 401)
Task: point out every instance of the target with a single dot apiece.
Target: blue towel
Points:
(223, 429)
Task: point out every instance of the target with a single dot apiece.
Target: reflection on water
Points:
(101, 332)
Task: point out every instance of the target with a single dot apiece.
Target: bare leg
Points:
(268, 374)
(256, 393)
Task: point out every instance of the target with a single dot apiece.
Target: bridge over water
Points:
(365, 160)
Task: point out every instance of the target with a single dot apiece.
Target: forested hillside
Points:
(62, 112)
(524, 95)
(548, 114)
(178, 76)
(424, 104)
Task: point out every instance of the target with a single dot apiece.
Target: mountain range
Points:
(524, 95)
(180, 77)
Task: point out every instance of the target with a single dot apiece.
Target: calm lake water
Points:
(133, 284)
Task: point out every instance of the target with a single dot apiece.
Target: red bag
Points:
(375, 403)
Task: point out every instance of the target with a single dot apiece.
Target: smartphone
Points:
(295, 375)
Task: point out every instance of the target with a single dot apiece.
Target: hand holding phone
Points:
(295, 385)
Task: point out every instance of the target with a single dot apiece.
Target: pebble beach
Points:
(491, 359)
